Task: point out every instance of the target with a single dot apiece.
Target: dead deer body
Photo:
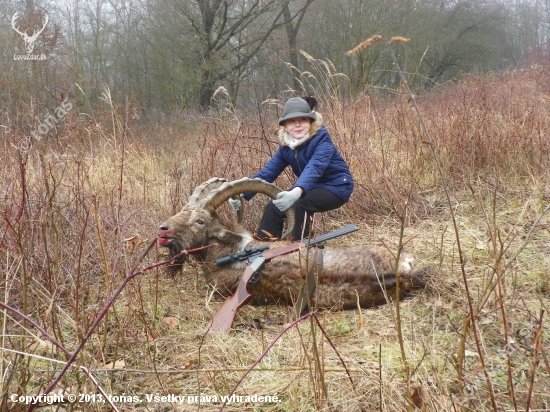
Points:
(364, 274)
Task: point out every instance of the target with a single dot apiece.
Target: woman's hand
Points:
(286, 199)
(235, 203)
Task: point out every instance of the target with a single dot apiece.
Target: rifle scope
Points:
(245, 254)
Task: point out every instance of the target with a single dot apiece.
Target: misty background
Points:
(172, 55)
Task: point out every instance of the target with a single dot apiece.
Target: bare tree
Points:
(230, 33)
(447, 38)
(292, 28)
(465, 36)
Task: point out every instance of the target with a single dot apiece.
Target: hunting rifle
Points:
(257, 258)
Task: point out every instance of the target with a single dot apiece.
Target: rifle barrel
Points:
(327, 236)
(285, 250)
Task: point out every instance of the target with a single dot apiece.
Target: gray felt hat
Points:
(296, 107)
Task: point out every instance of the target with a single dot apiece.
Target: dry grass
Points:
(75, 213)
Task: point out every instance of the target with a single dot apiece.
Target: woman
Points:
(324, 180)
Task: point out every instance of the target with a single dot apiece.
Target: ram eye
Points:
(200, 221)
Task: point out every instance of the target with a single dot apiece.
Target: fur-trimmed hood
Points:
(314, 128)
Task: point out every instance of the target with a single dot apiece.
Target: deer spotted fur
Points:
(362, 272)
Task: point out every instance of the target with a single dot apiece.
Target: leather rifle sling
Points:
(310, 282)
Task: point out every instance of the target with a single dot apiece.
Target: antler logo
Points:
(29, 40)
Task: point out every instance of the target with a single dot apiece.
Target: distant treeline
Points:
(170, 55)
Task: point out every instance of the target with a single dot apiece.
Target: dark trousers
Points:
(315, 200)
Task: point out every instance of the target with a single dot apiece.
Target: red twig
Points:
(535, 361)
(58, 345)
(335, 350)
(37, 327)
(307, 315)
(285, 330)
(108, 305)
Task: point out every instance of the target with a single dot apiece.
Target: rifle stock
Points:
(223, 318)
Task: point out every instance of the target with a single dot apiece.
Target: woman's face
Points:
(297, 127)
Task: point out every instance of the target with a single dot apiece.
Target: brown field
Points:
(79, 207)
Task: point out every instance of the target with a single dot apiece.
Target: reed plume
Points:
(399, 39)
(363, 45)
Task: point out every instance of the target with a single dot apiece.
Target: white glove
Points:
(235, 203)
(286, 199)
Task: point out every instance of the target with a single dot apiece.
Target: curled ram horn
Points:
(220, 195)
(202, 190)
